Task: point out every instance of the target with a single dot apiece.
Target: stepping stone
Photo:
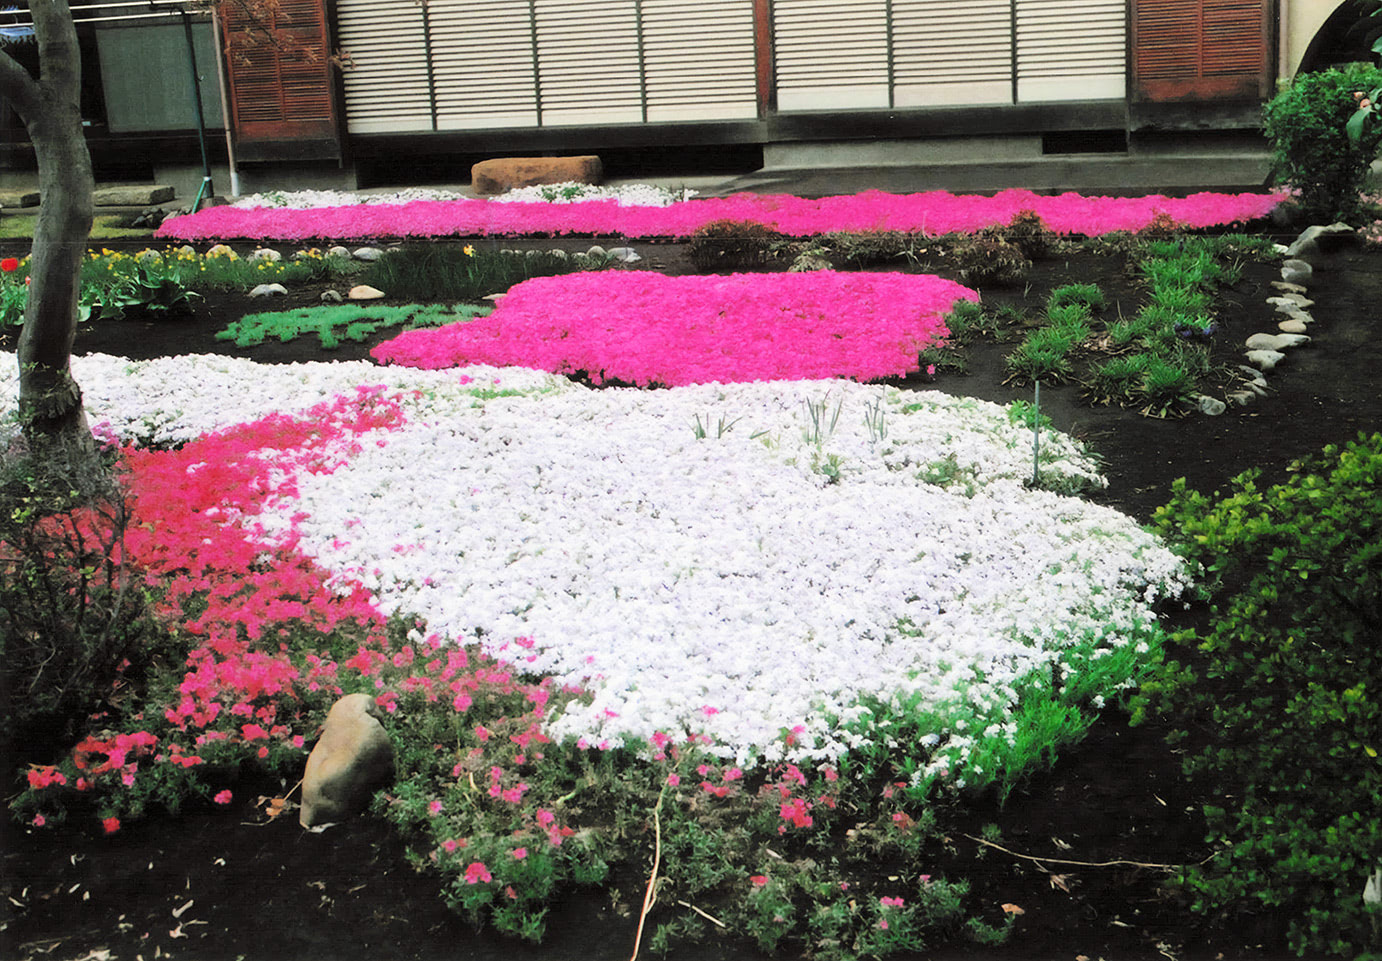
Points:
(489, 177)
(1265, 360)
(1310, 238)
(18, 198)
(1242, 398)
(365, 292)
(1277, 342)
(1297, 272)
(1210, 406)
(1288, 288)
(137, 195)
(1292, 327)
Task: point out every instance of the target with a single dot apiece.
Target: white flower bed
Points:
(628, 195)
(719, 583)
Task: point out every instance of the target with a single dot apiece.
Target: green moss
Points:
(338, 322)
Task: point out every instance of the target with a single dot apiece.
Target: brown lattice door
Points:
(283, 103)
(1201, 49)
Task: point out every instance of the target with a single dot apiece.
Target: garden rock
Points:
(1293, 326)
(596, 252)
(1211, 406)
(220, 250)
(1265, 360)
(625, 255)
(1253, 375)
(338, 251)
(1297, 272)
(267, 254)
(365, 292)
(268, 290)
(808, 262)
(331, 297)
(500, 175)
(352, 759)
(1288, 288)
(367, 253)
(1276, 341)
(1242, 398)
(1316, 237)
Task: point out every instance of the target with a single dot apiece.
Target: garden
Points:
(858, 577)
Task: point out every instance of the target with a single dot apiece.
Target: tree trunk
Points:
(50, 403)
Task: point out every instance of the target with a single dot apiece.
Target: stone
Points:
(337, 251)
(1253, 375)
(807, 262)
(351, 760)
(494, 297)
(365, 292)
(220, 250)
(1277, 342)
(1300, 300)
(1315, 238)
(1210, 406)
(625, 255)
(1265, 360)
(596, 252)
(367, 253)
(1297, 272)
(1283, 306)
(331, 297)
(489, 177)
(18, 198)
(136, 195)
(268, 254)
(1288, 288)
(1293, 326)
(268, 290)
(1242, 398)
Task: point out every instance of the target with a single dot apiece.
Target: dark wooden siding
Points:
(1201, 49)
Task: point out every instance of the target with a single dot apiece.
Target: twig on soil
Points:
(650, 896)
(1083, 864)
(709, 917)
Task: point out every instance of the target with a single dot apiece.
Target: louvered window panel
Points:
(482, 60)
(951, 53)
(1071, 50)
(281, 84)
(1201, 49)
(699, 60)
(588, 62)
(387, 89)
(831, 54)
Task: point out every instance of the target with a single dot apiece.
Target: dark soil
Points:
(233, 884)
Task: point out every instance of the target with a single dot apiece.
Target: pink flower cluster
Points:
(645, 328)
(936, 212)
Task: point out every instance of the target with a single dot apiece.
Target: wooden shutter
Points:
(699, 60)
(588, 62)
(482, 55)
(1201, 49)
(831, 54)
(387, 85)
(952, 53)
(281, 86)
(1071, 50)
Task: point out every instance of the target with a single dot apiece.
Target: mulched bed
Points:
(262, 889)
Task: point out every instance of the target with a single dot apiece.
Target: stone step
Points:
(132, 195)
(18, 198)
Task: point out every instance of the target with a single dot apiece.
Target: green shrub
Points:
(1029, 234)
(986, 258)
(732, 245)
(1282, 692)
(1311, 150)
(1115, 381)
(1090, 295)
(72, 614)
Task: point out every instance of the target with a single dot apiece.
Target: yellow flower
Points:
(468, 250)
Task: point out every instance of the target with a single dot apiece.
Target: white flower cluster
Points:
(712, 558)
(571, 192)
(308, 199)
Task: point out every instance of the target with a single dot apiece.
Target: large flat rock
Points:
(489, 177)
(137, 195)
(18, 198)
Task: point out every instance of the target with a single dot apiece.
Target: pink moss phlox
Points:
(935, 212)
(645, 328)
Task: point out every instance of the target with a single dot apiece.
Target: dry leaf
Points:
(1061, 881)
(1060, 845)
(1013, 910)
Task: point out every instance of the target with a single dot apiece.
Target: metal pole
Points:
(206, 188)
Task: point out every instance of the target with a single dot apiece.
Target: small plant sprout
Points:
(874, 421)
(722, 427)
(821, 426)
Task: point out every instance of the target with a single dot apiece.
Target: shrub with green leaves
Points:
(732, 245)
(72, 614)
(1278, 700)
(1311, 150)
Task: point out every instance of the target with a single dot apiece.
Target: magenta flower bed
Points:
(933, 213)
(644, 328)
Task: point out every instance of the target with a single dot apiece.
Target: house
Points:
(432, 85)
